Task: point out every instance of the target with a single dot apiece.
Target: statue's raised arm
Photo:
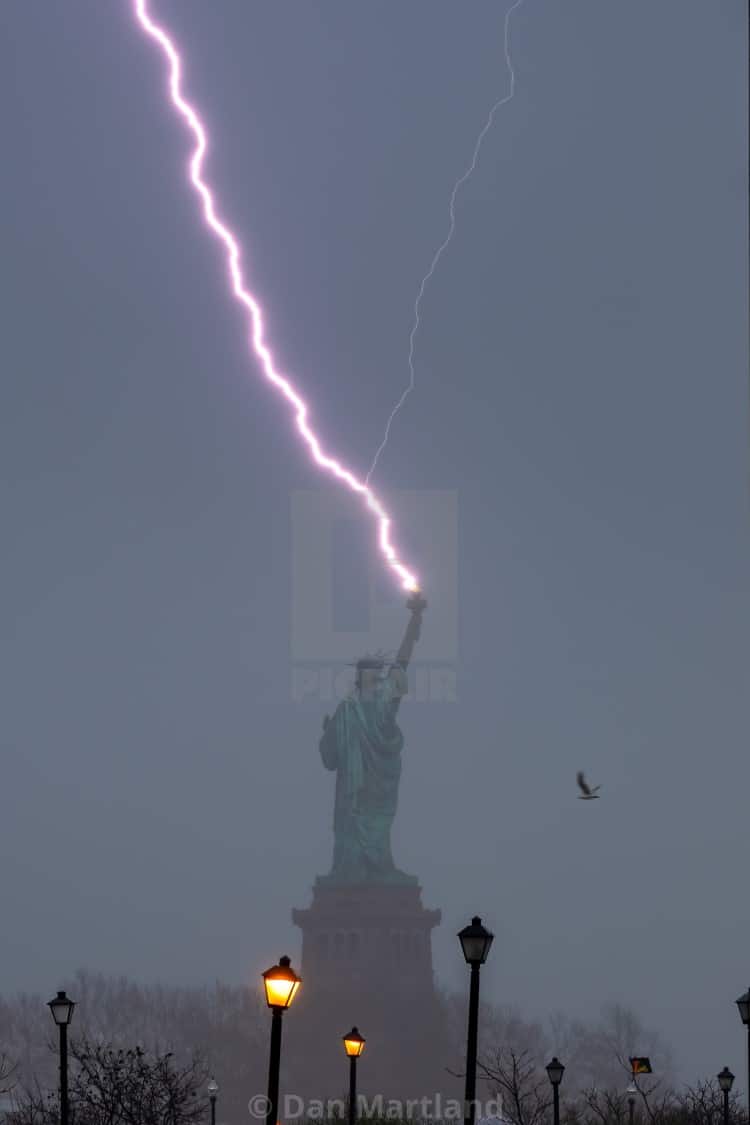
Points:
(417, 604)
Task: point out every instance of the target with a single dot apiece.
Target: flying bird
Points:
(588, 793)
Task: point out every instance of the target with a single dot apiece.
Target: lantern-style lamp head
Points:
(744, 1007)
(354, 1044)
(62, 1009)
(213, 1089)
(475, 942)
(281, 984)
(631, 1091)
(725, 1079)
(555, 1071)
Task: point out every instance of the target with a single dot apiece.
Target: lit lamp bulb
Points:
(354, 1044)
(281, 984)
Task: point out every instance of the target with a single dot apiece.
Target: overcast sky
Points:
(582, 388)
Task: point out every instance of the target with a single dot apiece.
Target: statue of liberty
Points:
(363, 743)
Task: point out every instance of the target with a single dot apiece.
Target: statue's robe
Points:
(363, 743)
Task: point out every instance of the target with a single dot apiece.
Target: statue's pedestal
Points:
(367, 960)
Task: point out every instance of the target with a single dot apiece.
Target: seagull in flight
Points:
(588, 793)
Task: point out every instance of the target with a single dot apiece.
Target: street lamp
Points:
(213, 1089)
(354, 1045)
(62, 1013)
(281, 984)
(555, 1071)
(631, 1091)
(475, 943)
(726, 1081)
(743, 1005)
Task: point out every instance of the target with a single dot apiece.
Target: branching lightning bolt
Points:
(448, 238)
(252, 305)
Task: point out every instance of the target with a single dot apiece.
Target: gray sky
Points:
(582, 386)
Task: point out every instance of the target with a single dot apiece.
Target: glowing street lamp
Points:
(354, 1045)
(281, 984)
(62, 1013)
(475, 944)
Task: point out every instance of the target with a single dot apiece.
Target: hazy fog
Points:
(582, 389)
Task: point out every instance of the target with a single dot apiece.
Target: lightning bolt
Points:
(251, 304)
(448, 238)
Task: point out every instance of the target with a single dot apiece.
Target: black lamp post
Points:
(354, 1045)
(475, 943)
(62, 1013)
(213, 1089)
(281, 984)
(631, 1092)
(743, 1005)
(555, 1071)
(726, 1081)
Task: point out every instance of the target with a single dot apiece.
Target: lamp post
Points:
(726, 1081)
(555, 1071)
(281, 984)
(62, 1013)
(743, 1004)
(631, 1092)
(475, 943)
(213, 1089)
(354, 1045)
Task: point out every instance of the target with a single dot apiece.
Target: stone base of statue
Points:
(367, 960)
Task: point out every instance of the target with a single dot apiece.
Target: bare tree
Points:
(604, 1107)
(516, 1078)
(118, 1086)
(703, 1104)
(7, 1072)
(225, 1023)
(598, 1054)
(597, 1058)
